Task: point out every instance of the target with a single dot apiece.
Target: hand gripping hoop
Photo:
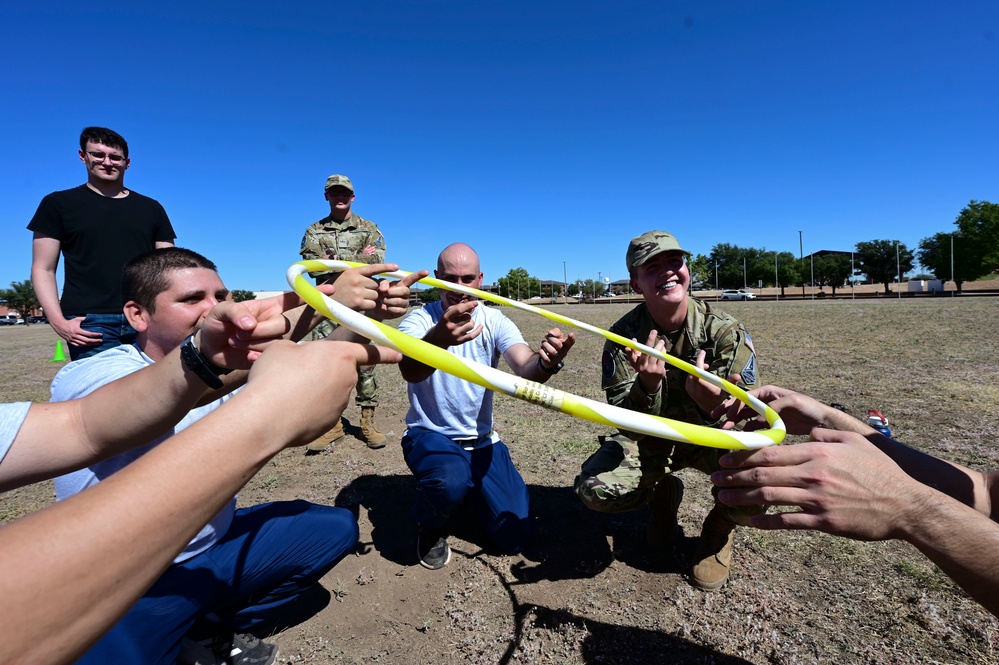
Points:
(531, 391)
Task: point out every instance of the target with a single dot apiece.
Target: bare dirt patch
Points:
(590, 590)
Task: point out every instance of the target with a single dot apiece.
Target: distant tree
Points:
(701, 271)
(729, 260)
(831, 270)
(20, 297)
(240, 295)
(978, 223)
(518, 285)
(878, 260)
(428, 295)
(788, 271)
(935, 253)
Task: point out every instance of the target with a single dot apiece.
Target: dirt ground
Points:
(590, 590)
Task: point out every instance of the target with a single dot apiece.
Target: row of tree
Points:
(973, 247)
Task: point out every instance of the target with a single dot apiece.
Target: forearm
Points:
(73, 569)
(962, 542)
(970, 487)
(47, 291)
(125, 413)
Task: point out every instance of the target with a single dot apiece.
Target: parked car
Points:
(38, 319)
(738, 294)
(11, 320)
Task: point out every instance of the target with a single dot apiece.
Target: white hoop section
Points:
(532, 391)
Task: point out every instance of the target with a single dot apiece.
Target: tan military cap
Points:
(647, 245)
(338, 180)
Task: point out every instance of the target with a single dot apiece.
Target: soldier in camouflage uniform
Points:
(344, 236)
(629, 469)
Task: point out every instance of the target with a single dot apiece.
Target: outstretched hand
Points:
(840, 482)
(295, 384)
(800, 413)
(233, 334)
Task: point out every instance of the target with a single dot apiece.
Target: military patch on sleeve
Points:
(608, 364)
(748, 372)
(749, 342)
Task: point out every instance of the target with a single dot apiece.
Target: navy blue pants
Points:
(447, 475)
(270, 554)
(114, 328)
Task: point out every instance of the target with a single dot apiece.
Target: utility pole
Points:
(565, 287)
(801, 267)
(898, 269)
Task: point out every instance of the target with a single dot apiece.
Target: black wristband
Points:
(551, 370)
(197, 363)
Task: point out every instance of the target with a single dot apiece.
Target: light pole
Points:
(716, 275)
(813, 277)
(898, 269)
(776, 278)
(744, 273)
(952, 264)
(801, 260)
(853, 279)
(565, 286)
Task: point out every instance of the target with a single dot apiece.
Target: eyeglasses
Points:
(101, 156)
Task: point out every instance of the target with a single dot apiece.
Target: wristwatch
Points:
(551, 370)
(200, 365)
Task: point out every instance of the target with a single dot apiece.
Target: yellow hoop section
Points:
(531, 391)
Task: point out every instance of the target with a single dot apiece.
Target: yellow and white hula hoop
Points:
(532, 391)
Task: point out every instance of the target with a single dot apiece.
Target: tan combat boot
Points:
(663, 526)
(327, 439)
(369, 432)
(713, 556)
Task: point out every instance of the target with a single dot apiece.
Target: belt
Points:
(474, 442)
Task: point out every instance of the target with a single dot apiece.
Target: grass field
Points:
(590, 591)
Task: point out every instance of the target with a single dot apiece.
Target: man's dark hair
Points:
(146, 276)
(108, 137)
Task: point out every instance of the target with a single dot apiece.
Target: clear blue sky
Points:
(538, 132)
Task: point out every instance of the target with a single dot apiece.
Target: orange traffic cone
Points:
(60, 355)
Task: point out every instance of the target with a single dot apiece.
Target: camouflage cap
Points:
(647, 245)
(338, 180)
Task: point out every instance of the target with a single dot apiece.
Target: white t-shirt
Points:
(11, 418)
(454, 407)
(83, 377)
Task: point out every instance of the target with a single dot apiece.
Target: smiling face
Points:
(663, 281)
(178, 311)
(104, 163)
(459, 264)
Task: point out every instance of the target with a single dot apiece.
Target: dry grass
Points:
(590, 591)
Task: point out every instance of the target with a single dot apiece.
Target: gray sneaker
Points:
(432, 549)
(228, 649)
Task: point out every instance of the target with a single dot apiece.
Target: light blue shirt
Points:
(83, 377)
(11, 418)
(454, 407)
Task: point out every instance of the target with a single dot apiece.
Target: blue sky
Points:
(541, 133)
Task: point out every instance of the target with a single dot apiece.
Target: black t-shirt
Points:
(98, 236)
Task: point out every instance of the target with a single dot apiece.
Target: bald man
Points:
(449, 443)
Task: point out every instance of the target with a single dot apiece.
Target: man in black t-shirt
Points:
(98, 227)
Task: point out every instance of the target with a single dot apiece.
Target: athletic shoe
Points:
(432, 549)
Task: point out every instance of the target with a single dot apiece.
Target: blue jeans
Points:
(270, 554)
(447, 475)
(114, 329)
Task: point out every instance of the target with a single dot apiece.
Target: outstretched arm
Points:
(75, 568)
(843, 484)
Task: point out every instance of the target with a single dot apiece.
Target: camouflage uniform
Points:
(621, 475)
(345, 241)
